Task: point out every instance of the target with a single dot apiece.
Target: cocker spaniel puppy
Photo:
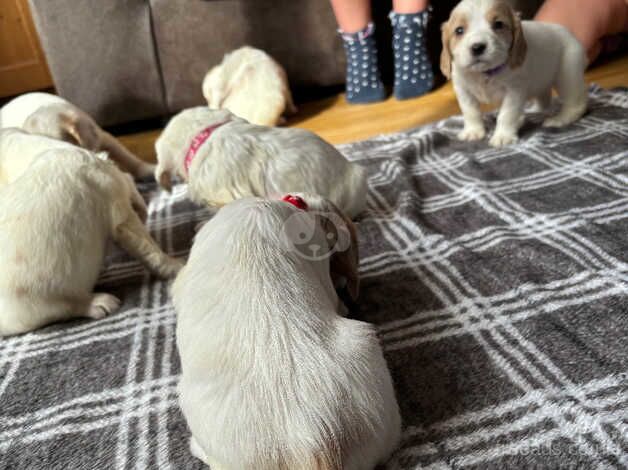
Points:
(250, 84)
(274, 377)
(55, 219)
(223, 157)
(493, 57)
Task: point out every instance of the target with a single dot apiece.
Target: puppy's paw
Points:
(503, 138)
(102, 305)
(556, 121)
(170, 268)
(472, 133)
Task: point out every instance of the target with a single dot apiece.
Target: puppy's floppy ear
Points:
(81, 129)
(519, 45)
(163, 176)
(445, 55)
(343, 265)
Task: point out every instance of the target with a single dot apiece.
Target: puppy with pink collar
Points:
(223, 158)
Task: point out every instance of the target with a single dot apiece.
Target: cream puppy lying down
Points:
(251, 85)
(493, 57)
(273, 377)
(55, 220)
(223, 158)
(51, 115)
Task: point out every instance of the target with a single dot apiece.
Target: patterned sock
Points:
(413, 69)
(363, 82)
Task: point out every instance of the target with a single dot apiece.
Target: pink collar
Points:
(197, 141)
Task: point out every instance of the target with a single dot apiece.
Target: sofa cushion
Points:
(101, 56)
(192, 36)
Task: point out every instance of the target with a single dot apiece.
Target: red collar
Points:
(197, 141)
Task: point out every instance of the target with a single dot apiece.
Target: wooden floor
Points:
(338, 122)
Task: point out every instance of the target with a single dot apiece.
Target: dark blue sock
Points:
(413, 70)
(363, 82)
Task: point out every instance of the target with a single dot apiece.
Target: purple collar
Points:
(490, 73)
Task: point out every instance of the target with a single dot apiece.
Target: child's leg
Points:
(588, 20)
(363, 81)
(413, 69)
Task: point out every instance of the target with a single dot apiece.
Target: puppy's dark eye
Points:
(459, 31)
(497, 25)
(302, 236)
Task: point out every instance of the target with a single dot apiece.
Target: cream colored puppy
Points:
(55, 220)
(493, 57)
(18, 149)
(52, 116)
(273, 377)
(250, 84)
(223, 158)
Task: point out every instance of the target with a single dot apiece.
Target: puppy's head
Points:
(177, 137)
(481, 35)
(319, 230)
(69, 125)
(311, 232)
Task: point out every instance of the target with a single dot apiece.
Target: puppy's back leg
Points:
(542, 102)
(571, 87)
(133, 236)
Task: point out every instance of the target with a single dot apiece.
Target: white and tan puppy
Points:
(250, 84)
(52, 116)
(493, 57)
(273, 377)
(55, 220)
(223, 157)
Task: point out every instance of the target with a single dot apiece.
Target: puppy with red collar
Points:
(273, 376)
(493, 57)
(223, 158)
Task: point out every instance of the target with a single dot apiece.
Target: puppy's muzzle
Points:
(478, 48)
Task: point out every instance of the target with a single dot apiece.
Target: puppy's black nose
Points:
(478, 48)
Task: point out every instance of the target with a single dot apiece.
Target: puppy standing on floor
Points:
(492, 56)
(55, 219)
(223, 158)
(52, 116)
(251, 85)
(272, 376)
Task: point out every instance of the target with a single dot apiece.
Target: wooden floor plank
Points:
(339, 122)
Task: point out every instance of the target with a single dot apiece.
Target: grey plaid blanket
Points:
(498, 279)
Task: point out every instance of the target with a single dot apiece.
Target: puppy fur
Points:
(537, 57)
(250, 84)
(52, 116)
(241, 159)
(18, 149)
(273, 377)
(52, 246)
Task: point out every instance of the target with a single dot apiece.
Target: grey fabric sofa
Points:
(125, 60)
